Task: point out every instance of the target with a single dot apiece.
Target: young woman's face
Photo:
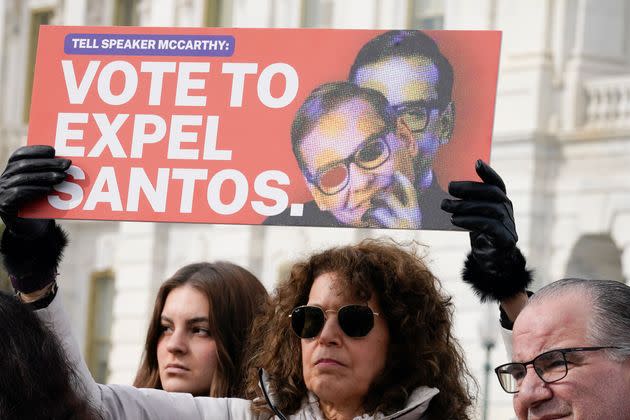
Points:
(186, 353)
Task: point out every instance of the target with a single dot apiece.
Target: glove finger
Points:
(500, 234)
(471, 190)
(488, 175)
(13, 199)
(449, 205)
(38, 151)
(476, 208)
(37, 165)
(35, 179)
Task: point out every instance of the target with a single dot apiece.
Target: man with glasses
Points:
(409, 69)
(571, 353)
(356, 157)
(570, 341)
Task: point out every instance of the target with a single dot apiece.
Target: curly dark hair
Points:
(422, 348)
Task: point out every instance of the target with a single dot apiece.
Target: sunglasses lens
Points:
(307, 321)
(356, 320)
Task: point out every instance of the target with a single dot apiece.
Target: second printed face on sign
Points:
(417, 80)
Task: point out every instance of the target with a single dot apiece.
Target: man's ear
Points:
(404, 133)
(446, 123)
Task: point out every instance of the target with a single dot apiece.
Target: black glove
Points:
(31, 248)
(30, 175)
(495, 267)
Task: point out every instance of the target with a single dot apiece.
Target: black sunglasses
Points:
(354, 320)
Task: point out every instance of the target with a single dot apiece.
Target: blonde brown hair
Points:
(235, 296)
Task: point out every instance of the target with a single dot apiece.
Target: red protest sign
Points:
(249, 126)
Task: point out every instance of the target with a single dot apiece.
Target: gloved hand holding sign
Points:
(495, 267)
(31, 248)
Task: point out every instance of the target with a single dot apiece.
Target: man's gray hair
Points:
(610, 325)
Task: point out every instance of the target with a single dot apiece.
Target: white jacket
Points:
(127, 402)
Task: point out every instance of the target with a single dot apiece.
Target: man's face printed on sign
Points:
(352, 158)
(410, 86)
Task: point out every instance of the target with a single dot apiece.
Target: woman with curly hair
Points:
(361, 330)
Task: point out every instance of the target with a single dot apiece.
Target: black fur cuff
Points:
(32, 262)
(507, 280)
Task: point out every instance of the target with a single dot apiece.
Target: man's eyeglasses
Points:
(370, 154)
(550, 366)
(416, 113)
(355, 320)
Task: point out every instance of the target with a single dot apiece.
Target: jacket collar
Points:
(417, 404)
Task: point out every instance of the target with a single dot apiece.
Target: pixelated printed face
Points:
(349, 157)
(596, 387)
(410, 86)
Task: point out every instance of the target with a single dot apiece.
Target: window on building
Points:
(100, 324)
(426, 14)
(212, 13)
(126, 13)
(317, 13)
(38, 17)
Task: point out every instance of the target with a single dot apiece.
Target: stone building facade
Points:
(561, 142)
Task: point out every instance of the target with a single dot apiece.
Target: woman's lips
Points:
(328, 362)
(175, 368)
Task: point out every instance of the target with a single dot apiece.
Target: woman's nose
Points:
(177, 342)
(331, 332)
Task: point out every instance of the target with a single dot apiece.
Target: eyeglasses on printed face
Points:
(550, 366)
(355, 320)
(370, 154)
(416, 113)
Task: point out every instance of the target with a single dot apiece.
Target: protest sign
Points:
(216, 125)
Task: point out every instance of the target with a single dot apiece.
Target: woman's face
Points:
(337, 368)
(186, 353)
